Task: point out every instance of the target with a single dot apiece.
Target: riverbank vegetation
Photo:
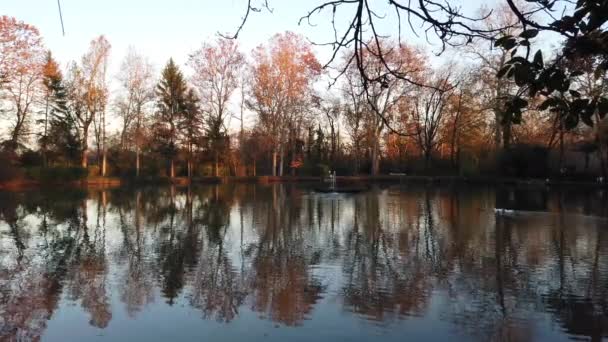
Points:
(507, 108)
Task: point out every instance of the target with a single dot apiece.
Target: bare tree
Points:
(383, 98)
(216, 75)
(429, 109)
(136, 80)
(88, 90)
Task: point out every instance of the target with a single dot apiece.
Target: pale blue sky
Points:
(157, 28)
(164, 28)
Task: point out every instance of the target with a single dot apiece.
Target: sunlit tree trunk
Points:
(46, 124)
(85, 147)
(137, 166)
(274, 163)
(189, 161)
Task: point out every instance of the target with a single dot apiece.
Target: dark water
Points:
(282, 263)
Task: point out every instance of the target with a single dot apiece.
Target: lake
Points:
(281, 262)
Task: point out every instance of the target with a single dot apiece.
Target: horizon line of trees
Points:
(173, 125)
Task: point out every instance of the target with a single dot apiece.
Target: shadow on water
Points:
(316, 264)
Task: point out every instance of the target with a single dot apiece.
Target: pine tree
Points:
(190, 126)
(171, 93)
(216, 139)
(60, 133)
(50, 77)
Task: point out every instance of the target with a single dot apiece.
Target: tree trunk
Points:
(103, 141)
(254, 167)
(357, 162)
(137, 162)
(274, 163)
(498, 128)
(281, 160)
(104, 162)
(45, 143)
(506, 136)
(375, 158)
(189, 162)
(85, 147)
(561, 149)
(601, 148)
(14, 142)
(215, 164)
(172, 169)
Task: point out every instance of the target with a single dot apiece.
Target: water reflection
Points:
(283, 254)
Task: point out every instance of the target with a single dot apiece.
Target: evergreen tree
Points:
(60, 133)
(171, 92)
(190, 126)
(216, 139)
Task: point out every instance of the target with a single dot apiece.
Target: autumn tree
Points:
(217, 68)
(137, 93)
(87, 90)
(382, 99)
(21, 62)
(171, 94)
(283, 73)
(465, 126)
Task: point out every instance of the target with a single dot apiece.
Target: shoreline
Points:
(113, 182)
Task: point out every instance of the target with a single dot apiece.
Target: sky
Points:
(160, 29)
(167, 28)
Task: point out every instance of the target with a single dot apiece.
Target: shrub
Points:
(93, 171)
(469, 165)
(525, 161)
(57, 174)
(30, 158)
(8, 171)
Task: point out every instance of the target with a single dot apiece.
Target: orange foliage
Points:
(20, 44)
(283, 74)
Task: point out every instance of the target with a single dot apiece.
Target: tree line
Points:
(465, 115)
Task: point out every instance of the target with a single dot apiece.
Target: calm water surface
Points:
(283, 263)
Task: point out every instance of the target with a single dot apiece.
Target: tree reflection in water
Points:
(282, 252)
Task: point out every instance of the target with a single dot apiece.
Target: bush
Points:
(469, 165)
(8, 171)
(57, 174)
(314, 170)
(525, 161)
(93, 171)
(30, 158)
